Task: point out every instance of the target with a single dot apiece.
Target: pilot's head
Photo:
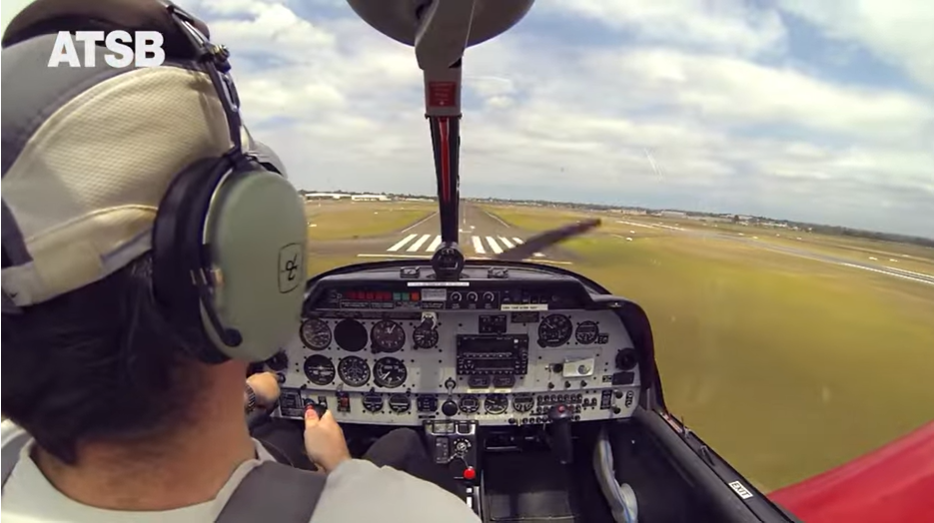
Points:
(94, 353)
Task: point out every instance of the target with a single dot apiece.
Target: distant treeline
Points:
(872, 235)
(804, 226)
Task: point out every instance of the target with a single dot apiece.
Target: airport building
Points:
(311, 196)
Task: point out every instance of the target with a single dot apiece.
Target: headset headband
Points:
(216, 59)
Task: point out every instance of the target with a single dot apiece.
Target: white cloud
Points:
(732, 26)
(731, 90)
(897, 31)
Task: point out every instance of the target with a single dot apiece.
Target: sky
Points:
(814, 110)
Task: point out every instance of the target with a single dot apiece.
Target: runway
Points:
(481, 236)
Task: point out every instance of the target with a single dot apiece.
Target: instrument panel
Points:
(393, 353)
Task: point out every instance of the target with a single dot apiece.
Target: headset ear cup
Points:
(176, 242)
(257, 236)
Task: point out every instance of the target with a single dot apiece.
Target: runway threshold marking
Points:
(418, 243)
(478, 245)
(401, 243)
(427, 257)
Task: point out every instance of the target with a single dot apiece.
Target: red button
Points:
(560, 408)
(470, 473)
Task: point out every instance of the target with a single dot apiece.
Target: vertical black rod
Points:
(445, 139)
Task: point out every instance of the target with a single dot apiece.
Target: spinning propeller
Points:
(440, 31)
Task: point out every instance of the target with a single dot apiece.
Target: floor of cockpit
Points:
(528, 487)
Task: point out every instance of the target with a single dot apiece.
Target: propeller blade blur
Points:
(546, 239)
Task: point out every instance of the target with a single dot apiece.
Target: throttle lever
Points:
(319, 408)
(560, 427)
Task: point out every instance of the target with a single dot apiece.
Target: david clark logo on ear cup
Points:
(290, 267)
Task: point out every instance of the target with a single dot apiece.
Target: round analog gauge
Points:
(587, 332)
(425, 337)
(554, 330)
(319, 370)
(496, 403)
(389, 372)
(388, 336)
(353, 371)
(350, 335)
(315, 334)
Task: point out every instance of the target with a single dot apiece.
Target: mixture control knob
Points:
(449, 408)
(470, 473)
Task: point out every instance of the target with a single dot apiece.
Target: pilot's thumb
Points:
(311, 417)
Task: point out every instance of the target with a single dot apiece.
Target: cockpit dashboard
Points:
(505, 345)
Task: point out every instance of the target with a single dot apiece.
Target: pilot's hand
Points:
(266, 388)
(324, 440)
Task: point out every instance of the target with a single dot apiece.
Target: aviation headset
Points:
(229, 238)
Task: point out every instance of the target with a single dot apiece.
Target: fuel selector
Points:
(461, 447)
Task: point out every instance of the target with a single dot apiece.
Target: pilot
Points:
(120, 422)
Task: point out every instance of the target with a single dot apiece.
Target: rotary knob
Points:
(449, 408)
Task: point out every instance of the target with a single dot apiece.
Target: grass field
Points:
(786, 366)
(345, 220)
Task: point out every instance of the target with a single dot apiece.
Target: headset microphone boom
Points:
(440, 31)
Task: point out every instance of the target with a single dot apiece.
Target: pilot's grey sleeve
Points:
(358, 490)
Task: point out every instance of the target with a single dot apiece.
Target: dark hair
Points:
(98, 364)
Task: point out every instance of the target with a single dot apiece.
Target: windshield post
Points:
(443, 111)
